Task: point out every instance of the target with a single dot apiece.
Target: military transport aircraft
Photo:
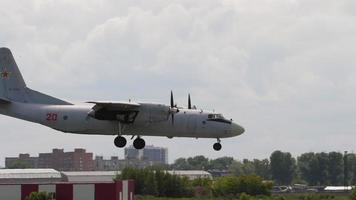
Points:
(108, 117)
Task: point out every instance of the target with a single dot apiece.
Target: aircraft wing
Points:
(4, 101)
(125, 112)
(115, 105)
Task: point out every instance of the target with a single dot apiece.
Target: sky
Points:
(283, 69)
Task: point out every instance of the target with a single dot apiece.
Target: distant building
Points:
(23, 161)
(107, 165)
(79, 160)
(150, 154)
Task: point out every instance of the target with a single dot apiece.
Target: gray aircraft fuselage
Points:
(106, 118)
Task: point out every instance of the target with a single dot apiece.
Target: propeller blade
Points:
(172, 101)
(189, 102)
(172, 119)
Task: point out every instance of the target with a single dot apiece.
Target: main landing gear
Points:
(139, 143)
(121, 142)
(217, 146)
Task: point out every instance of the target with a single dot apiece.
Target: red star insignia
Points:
(5, 74)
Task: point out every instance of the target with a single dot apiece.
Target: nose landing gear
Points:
(217, 146)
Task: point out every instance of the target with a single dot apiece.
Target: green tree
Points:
(237, 168)
(39, 196)
(336, 168)
(262, 168)
(323, 161)
(306, 167)
(198, 162)
(313, 168)
(248, 167)
(233, 186)
(203, 185)
(222, 163)
(160, 180)
(283, 167)
(135, 174)
(150, 183)
(155, 182)
(202, 163)
(19, 164)
(181, 164)
(353, 194)
(352, 168)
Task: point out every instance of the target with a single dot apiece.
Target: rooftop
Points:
(29, 174)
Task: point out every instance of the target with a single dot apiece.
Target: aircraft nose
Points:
(237, 129)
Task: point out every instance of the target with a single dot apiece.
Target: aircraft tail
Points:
(13, 86)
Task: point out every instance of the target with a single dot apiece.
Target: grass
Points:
(166, 198)
(287, 196)
(313, 196)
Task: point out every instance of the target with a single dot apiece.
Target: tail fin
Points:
(13, 86)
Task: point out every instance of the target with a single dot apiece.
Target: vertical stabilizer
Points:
(11, 81)
(13, 86)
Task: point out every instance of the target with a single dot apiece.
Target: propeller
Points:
(173, 108)
(189, 102)
(172, 101)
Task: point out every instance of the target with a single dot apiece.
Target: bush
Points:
(244, 196)
(156, 182)
(202, 187)
(232, 185)
(39, 196)
(280, 198)
(353, 194)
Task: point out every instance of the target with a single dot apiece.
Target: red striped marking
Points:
(27, 189)
(64, 192)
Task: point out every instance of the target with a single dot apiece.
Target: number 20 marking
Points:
(52, 117)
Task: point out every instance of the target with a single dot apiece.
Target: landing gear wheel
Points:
(139, 143)
(217, 146)
(120, 141)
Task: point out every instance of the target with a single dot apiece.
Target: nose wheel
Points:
(217, 146)
(139, 143)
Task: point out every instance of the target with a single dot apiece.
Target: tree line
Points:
(281, 167)
(157, 182)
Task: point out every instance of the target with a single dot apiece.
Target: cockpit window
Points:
(218, 118)
(215, 116)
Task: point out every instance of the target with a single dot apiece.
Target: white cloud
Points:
(282, 68)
